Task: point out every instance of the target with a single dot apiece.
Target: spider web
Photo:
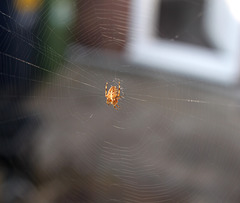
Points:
(174, 139)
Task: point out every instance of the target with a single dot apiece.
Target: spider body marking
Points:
(113, 95)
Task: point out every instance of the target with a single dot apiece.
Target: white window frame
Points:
(222, 29)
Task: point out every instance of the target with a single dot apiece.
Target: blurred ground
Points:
(155, 150)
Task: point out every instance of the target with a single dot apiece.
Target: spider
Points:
(113, 95)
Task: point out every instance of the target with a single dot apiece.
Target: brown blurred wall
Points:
(102, 23)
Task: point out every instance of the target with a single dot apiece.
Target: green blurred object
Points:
(53, 33)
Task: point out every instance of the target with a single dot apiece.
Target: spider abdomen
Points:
(112, 95)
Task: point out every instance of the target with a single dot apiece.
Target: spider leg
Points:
(106, 89)
(115, 107)
(119, 89)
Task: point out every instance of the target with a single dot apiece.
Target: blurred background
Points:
(176, 135)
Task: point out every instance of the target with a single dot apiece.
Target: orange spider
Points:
(113, 95)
